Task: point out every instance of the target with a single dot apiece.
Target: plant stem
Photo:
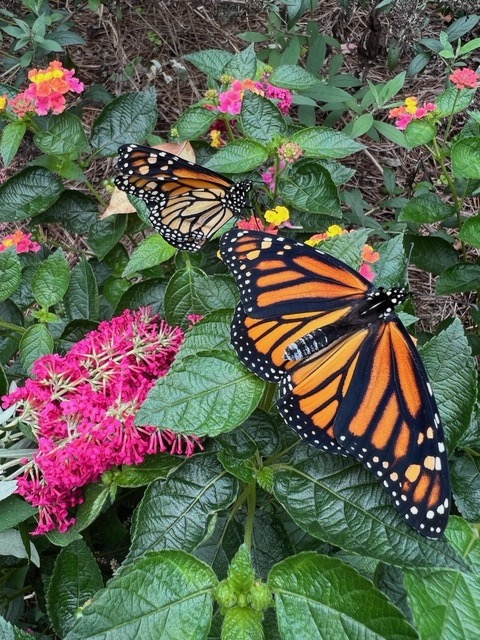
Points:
(11, 327)
(267, 398)
(251, 504)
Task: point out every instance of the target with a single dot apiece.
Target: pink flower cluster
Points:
(22, 242)
(82, 406)
(410, 111)
(269, 176)
(230, 100)
(284, 97)
(465, 78)
(46, 91)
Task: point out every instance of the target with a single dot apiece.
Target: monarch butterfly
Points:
(187, 203)
(351, 379)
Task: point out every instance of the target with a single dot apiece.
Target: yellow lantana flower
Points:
(277, 216)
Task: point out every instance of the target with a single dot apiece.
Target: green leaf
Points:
(95, 499)
(51, 280)
(242, 65)
(419, 132)
(28, 193)
(238, 157)
(453, 101)
(425, 209)
(13, 544)
(37, 341)
(391, 133)
(192, 291)
(430, 253)
(340, 502)
(152, 468)
(143, 294)
(9, 632)
(75, 579)
(321, 597)
(470, 232)
(242, 623)
(205, 394)
(294, 78)
(210, 334)
(261, 119)
(131, 118)
(359, 126)
(252, 36)
(194, 122)
(152, 251)
(13, 511)
(347, 247)
(462, 26)
(445, 601)
(391, 88)
(10, 273)
(210, 61)
(81, 299)
(177, 513)
(451, 369)
(466, 158)
(322, 142)
(167, 592)
(244, 470)
(103, 235)
(73, 210)
(309, 187)
(465, 474)
(391, 268)
(459, 277)
(418, 63)
(62, 135)
(12, 136)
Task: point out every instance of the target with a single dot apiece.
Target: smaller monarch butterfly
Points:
(351, 379)
(187, 203)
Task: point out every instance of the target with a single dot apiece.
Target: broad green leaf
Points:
(323, 142)
(419, 132)
(321, 597)
(243, 64)
(103, 235)
(192, 291)
(309, 187)
(465, 474)
(453, 101)
(470, 232)
(445, 601)
(462, 26)
(12, 136)
(418, 63)
(205, 394)
(96, 497)
(9, 632)
(167, 592)
(62, 135)
(425, 209)
(194, 122)
(143, 294)
(37, 341)
(130, 117)
(261, 119)
(10, 312)
(81, 299)
(210, 334)
(340, 502)
(152, 468)
(10, 273)
(391, 133)
(244, 470)
(75, 579)
(430, 253)
(451, 369)
(459, 277)
(62, 165)
(359, 126)
(259, 433)
(466, 158)
(152, 251)
(51, 279)
(210, 61)
(73, 210)
(339, 173)
(242, 623)
(391, 268)
(13, 511)
(12, 544)
(28, 193)
(347, 247)
(177, 513)
(238, 157)
(294, 78)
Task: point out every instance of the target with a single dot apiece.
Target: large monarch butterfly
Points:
(187, 203)
(351, 379)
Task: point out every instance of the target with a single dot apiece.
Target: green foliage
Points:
(256, 535)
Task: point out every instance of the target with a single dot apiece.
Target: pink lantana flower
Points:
(465, 78)
(410, 111)
(81, 409)
(21, 241)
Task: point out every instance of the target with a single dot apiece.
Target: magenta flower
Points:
(81, 409)
(284, 97)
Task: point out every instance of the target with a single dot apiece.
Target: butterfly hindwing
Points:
(187, 203)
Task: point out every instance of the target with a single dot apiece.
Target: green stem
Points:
(449, 123)
(231, 135)
(267, 398)
(96, 194)
(276, 176)
(251, 504)
(11, 327)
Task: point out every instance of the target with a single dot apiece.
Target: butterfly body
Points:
(187, 203)
(350, 378)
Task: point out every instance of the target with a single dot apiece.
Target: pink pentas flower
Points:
(81, 408)
(465, 78)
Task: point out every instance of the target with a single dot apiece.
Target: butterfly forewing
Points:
(187, 203)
